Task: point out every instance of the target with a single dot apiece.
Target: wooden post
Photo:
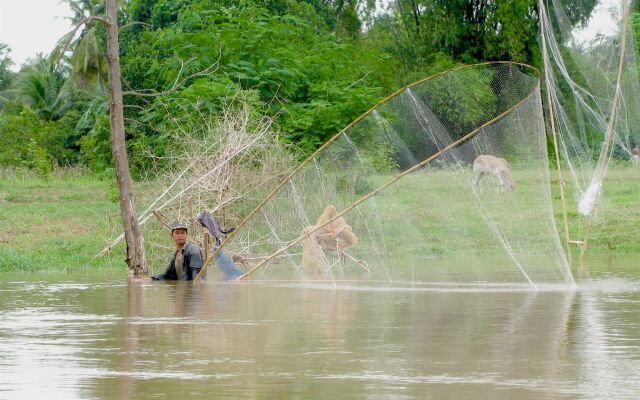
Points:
(206, 244)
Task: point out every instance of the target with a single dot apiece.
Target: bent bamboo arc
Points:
(528, 95)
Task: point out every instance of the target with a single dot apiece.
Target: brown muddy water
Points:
(100, 336)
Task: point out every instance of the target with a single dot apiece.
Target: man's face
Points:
(179, 236)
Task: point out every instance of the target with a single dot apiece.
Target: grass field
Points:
(56, 223)
(62, 222)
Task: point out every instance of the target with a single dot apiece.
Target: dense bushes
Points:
(313, 66)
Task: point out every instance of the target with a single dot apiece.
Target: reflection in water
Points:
(135, 303)
(609, 346)
(126, 340)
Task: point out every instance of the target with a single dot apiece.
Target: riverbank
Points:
(61, 222)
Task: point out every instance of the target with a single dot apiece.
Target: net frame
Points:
(440, 152)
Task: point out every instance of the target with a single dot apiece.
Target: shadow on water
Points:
(96, 336)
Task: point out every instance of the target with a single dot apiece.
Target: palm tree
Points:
(42, 88)
(88, 60)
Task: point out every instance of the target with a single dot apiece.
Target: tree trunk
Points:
(416, 16)
(135, 243)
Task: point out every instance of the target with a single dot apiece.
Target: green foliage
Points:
(514, 33)
(95, 149)
(43, 89)
(89, 61)
(30, 142)
(476, 30)
(312, 65)
(6, 76)
(313, 84)
(112, 193)
(635, 26)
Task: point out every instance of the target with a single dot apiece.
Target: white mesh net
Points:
(593, 95)
(445, 182)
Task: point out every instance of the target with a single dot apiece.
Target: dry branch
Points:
(232, 160)
(177, 83)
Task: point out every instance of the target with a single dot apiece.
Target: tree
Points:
(88, 60)
(477, 30)
(5, 73)
(135, 260)
(135, 242)
(42, 88)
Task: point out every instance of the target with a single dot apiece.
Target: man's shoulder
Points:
(191, 248)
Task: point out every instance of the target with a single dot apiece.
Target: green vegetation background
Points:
(311, 65)
(61, 222)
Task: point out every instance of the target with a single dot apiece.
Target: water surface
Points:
(98, 335)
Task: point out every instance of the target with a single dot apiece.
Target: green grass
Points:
(57, 223)
(61, 222)
(616, 227)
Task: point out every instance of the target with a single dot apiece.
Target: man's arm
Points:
(166, 273)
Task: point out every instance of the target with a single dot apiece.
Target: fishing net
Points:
(445, 182)
(593, 96)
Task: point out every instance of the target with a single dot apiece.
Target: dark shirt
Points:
(191, 264)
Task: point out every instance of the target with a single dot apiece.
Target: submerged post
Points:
(205, 241)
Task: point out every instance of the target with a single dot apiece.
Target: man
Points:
(187, 259)
(635, 155)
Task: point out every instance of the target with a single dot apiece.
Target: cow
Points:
(496, 166)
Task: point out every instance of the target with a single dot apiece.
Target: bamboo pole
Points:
(339, 134)
(206, 243)
(552, 118)
(161, 218)
(610, 127)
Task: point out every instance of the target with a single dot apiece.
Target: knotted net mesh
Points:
(444, 182)
(593, 102)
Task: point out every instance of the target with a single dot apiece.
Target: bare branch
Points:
(135, 23)
(134, 106)
(177, 82)
(93, 18)
(359, 80)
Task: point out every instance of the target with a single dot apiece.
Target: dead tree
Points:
(135, 242)
(136, 260)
